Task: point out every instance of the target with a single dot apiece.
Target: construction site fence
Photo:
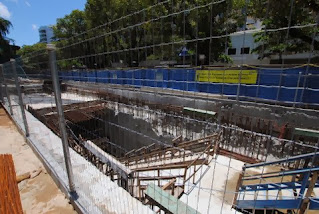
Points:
(235, 142)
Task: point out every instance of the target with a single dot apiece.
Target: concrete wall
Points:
(297, 117)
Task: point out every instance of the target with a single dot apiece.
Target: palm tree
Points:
(5, 48)
(4, 27)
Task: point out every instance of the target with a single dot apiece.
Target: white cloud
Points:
(28, 3)
(34, 27)
(4, 12)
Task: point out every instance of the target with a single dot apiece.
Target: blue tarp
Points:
(266, 87)
(91, 76)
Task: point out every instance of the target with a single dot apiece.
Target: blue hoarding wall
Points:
(300, 84)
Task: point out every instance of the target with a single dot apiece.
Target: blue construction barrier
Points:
(191, 81)
(266, 87)
(149, 77)
(91, 76)
(61, 75)
(156, 78)
(102, 77)
(177, 79)
(116, 77)
(76, 75)
(138, 76)
(129, 77)
(67, 75)
(83, 76)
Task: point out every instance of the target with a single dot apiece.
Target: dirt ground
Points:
(39, 194)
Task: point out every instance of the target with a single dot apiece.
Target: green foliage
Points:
(69, 64)
(225, 59)
(102, 34)
(4, 27)
(277, 42)
(70, 25)
(6, 50)
(113, 36)
(34, 56)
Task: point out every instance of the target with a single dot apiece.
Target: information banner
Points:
(227, 76)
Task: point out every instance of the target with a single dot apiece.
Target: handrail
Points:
(303, 156)
(279, 174)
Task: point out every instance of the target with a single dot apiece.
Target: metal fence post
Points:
(258, 86)
(223, 85)
(6, 89)
(305, 87)
(1, 88)
(279, 87)
(58, 101)
(296, 93)
(239, 84)
(24, 118)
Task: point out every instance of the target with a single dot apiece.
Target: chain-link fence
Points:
(121, 132)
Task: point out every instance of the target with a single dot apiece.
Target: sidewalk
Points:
(39, 194)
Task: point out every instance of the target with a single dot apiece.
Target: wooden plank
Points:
(150, 178)
(151, 154)
(239, 182)
(201, 140)
(311, 186)
(166, 201)
(236, 156)
(199, 111)
(172, 165)
(10, 202)
(170, 183)
(177, 139)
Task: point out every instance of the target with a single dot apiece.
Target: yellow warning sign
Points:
(227, 76)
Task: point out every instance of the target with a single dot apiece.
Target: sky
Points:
(27, 16)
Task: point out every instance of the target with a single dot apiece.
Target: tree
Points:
(201, 23)
(34, 57)
(68, 30)
(70, 25)
(6, 50)
(4, 27)
(278, 16)
(109, 31)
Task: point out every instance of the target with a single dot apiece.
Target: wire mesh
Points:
(154, 125)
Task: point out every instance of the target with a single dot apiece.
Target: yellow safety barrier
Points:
(227, 76)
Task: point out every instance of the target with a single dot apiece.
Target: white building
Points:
(46, 34)
(243, 42)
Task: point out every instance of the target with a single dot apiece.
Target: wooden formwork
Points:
(189, 155)
(10, 202)
(244, 134)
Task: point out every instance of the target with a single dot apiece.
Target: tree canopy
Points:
(281, 14)
(4, 27)
(112, 31)
(6, 50)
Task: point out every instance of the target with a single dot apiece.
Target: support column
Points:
(24, 118)
(58, 101)
(6, 89)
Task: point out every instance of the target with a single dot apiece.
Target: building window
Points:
(232, 51)
(244, 50)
